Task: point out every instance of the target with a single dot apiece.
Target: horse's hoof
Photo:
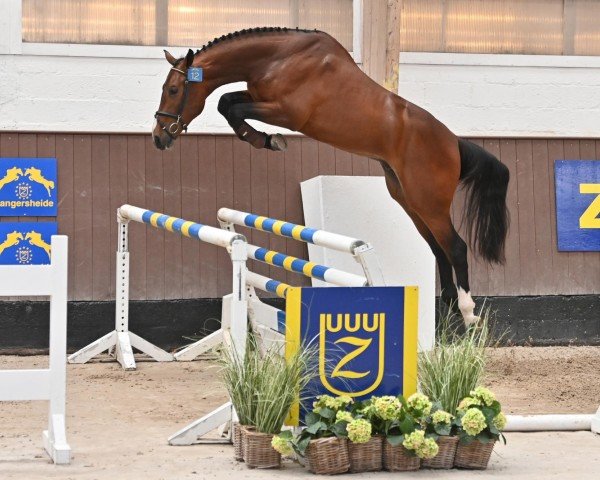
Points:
(471, 320)
(277, 143)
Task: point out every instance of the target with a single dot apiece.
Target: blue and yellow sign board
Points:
(28, 187)
(577, 205)
(26, 243)
(366, 338)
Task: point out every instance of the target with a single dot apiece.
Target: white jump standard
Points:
(122, 339)
(43, 384)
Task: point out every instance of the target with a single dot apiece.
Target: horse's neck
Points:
(233, 61)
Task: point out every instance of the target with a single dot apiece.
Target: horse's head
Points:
(182, 100)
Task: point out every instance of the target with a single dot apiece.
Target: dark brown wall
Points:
(97, 173)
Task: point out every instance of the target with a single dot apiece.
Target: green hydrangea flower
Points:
(387, 407)
(419, 403)
(281, 445)
(322, 401)
(473, 421)
(337, 403)
(485, 395)
(359, 431)
(428, 449)
(413, 440)
(442, 417)
(467, 403)
(499, 421)
(343, 416)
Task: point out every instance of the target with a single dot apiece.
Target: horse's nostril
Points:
(157, 142)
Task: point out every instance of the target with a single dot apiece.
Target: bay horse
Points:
(306, 81)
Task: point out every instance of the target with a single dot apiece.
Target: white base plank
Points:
(190, 434)
(201, 346)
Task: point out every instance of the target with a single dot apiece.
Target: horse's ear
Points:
(170, 58)
(189, 58)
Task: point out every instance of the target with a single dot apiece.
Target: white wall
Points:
(371, 215)
(506, 95)
(90, 94)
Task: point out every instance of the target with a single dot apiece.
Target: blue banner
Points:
(28, 187)
(366, 339)
(26, 243)
(577, 205)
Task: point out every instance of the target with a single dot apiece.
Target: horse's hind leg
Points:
(448, 289)
(229, 107)
(456, 251)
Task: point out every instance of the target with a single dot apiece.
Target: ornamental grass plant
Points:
(456, 363)
(264, 385)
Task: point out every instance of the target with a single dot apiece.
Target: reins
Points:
(169, 130)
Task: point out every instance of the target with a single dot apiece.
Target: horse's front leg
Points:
(236, 107)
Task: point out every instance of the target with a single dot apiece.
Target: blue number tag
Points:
(194, 74)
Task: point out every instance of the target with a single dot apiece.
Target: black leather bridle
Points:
(177, 126)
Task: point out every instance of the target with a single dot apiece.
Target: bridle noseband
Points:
(177, 125)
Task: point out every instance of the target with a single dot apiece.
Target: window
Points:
(550, 27)
(176, 22)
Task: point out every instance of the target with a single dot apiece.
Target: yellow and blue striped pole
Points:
(291, 230)
(206, 233)
(306, 268)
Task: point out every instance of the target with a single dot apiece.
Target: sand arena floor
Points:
(118, 422)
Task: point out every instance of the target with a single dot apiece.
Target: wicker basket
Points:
(258, 452)
(366, 457)
(399, 459)
(445, 456)
(475, 455)
(327, 456)
(244, 429)
(236, 435)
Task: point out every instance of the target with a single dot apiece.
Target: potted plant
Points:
(324, 441)
(262, 388)
(440, 426)
(480, 422)
(365, 442)
(406, 442)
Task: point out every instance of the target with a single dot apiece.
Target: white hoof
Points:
(471, 320)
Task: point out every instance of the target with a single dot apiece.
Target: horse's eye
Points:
(173, 90)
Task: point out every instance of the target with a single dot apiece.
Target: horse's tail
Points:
(485, 180)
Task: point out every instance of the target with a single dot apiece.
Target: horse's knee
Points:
(223, 106)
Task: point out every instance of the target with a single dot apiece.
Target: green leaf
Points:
(395, 440)
(311, 418)
(442, 428)
(302, 445)
(339, 429)
(286, 434)
(315, 427)
(407, 425)
(327, 413)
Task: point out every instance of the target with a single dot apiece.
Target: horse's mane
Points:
(250, 31)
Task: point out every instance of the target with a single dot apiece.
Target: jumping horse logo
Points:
(32, 173)
(360, 338)
(12, 175)
(24, 253)
(35, 175)
(35, 239)
(12, 239)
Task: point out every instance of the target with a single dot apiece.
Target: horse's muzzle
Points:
(162, 142)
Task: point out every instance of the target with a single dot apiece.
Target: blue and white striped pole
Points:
(321, 238)
(206, 233)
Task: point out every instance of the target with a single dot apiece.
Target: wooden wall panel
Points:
(98, 173)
